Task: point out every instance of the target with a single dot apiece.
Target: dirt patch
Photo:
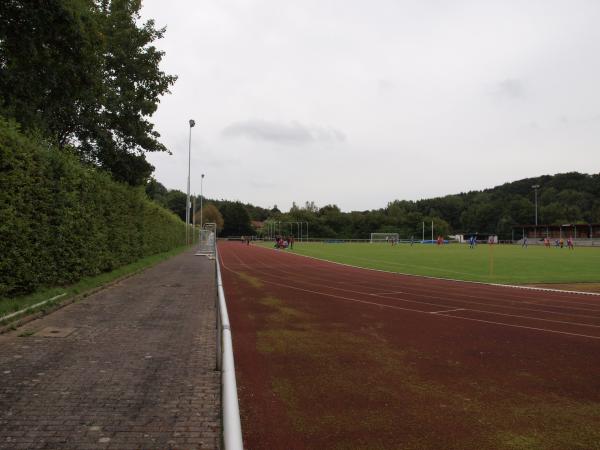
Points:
(252, 281)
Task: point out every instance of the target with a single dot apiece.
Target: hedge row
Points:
(61, 220)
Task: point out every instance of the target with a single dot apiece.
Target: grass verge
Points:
(83, 287)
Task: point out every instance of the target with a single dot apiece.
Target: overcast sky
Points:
(359, 103)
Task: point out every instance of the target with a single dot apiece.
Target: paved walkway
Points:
(132, 366)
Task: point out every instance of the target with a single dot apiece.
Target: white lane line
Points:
(317, 285)
(513, 286)
(447, 311)
(504, 303)
(520, 326)
(546, 330)
(569, 305)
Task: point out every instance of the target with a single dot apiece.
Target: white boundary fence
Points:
(232, 427)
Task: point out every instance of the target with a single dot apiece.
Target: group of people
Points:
(472, 242)
(558, 243)
(392, 240)
(284, 242)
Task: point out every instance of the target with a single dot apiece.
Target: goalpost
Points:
(385, 237)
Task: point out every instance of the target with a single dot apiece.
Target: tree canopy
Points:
(84, 74)
(563, 198)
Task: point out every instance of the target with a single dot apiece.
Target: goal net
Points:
(384, 237)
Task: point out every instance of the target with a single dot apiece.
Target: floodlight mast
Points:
(201, 180)
(187, 203)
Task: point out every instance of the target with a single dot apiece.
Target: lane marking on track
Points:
(459, 300)
(571, 303)
(447, 311)
(348, 299)
(514, 286)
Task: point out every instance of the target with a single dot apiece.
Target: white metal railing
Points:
(232, 427)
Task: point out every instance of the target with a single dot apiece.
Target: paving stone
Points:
(132, 366)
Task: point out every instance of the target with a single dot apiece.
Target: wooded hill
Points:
(562, 198)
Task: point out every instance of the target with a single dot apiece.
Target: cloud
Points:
(291, 133)
(263, 184)
(510, 88)
(385, 86)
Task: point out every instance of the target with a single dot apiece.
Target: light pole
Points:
(535, 188)
(201, 180)
(187, 204)
(194, 219)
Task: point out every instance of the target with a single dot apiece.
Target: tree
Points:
(156, 191)
(176, 201)
(210, 213)
(236, 219)
(51, 62)
(84, 73)
(132, 86)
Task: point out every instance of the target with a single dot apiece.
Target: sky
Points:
(358, 103)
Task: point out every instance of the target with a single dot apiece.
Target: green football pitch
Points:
(509, 264)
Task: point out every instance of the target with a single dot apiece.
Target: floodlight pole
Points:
(194, 219)
(201, 180)
(535, 190)
(187, 204)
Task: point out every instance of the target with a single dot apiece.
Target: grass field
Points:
(509, 264)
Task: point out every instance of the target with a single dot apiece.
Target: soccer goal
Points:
(384, 237)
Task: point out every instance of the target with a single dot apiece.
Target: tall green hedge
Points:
(61, 220)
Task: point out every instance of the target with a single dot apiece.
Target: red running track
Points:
(498, 336)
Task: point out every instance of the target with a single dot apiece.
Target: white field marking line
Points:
(21, 311)
(442, 298)
(507, 302)
(570, 303)
(519, 326)
(424, 312)
(420, 311)
(450, 310)
(514, 286)
(520, 297)
(452, 300)
(504, 303)
(539, 319)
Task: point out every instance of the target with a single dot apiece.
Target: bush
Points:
(61, 220)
